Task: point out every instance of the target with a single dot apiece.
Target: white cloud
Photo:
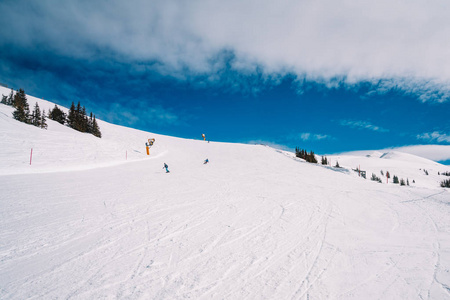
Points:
(435, 136)
(362, 125)
(307, 136)
(433, 152)
(399, 40)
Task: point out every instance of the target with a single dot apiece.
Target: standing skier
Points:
(206, 161)
(166, 167)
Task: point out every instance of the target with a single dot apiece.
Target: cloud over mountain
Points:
(353, 41)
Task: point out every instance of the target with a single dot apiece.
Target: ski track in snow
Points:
(252, 224)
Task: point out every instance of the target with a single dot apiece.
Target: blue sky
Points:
(329, 76)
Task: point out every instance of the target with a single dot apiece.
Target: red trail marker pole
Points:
(31, 155)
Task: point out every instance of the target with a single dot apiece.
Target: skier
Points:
(166, 167)
(206, 161)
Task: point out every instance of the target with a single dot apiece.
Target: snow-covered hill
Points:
(97, 218)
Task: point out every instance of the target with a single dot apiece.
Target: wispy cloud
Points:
(362, 125)
(315, 40)
(435, 136)
(307, 136)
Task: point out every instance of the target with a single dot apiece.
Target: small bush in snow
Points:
(395, 179)
(445, 183)
(375, 178)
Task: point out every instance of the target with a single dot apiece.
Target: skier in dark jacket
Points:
(206, 161)
(166, 167)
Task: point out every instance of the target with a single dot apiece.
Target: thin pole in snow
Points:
(31, 155)
(126, 155)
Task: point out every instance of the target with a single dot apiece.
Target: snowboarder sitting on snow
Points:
(206, 161)
(166, 167)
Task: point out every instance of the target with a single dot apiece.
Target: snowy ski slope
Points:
(99, 219)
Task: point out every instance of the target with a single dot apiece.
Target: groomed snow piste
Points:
(97, 218)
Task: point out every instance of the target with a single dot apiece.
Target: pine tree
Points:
(402, 182)
(4, 99)
(71, 118)
(324, 160)
(83, 120)
(95, 129)
(445, 183)
(43, 121)
(311, 157)
(337, 165)
(407, 181)
(77, 124)
(90, 123)
(375, 178)
(10, 99)
(395, 179)
(36, 116)
(56, 114)
(22, 112)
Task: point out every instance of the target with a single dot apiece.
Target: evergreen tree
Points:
(402, 182)
(78, 121)
(375, 178)
(36, 116)
(83, 120)
(90, 123)
(445, 183)
(10, 99)
(22, 112)
(4, 99)
(96, 129)
(43, 121)
(71, 118)
(407, 181)
(56, 114)
(324, 160)
(337, 165)
(395, 179)
(311, 157)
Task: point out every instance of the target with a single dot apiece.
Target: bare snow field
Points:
(99, 219)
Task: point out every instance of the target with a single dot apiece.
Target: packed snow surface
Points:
(97, 218)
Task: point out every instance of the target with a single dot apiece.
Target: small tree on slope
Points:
(22, 112)
(36, 116)
(56, 114)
